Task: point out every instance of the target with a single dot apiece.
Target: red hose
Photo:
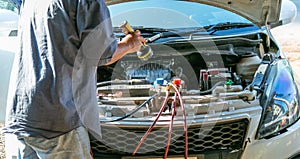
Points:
(152, 126)
(177, 93)
(184, 121)
(171, 126)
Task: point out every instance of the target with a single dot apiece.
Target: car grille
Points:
(209, 137)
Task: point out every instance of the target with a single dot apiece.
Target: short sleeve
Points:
(17, 3)
(95, 31)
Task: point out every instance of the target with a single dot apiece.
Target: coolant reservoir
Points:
(247, 66)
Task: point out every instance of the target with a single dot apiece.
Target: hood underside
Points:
(259, 12)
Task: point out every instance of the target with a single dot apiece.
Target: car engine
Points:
(219, 71)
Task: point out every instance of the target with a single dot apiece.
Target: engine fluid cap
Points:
(177, 81)
(205, 76)
(229, 82)
(160, 81)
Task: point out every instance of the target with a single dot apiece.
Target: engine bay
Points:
(209, 71)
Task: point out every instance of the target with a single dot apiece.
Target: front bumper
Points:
(222, 134)
(227, 134)
(283, 146)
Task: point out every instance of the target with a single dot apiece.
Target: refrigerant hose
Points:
(177, 95)
(132, 112)
(154, 122)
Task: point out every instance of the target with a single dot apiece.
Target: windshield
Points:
(171, 14)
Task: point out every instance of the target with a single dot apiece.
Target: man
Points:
(52, 96)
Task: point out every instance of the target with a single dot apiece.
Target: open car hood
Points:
(259, 12)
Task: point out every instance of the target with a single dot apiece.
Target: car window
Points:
(8, 19)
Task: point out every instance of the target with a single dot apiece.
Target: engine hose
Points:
(154, 122)
(177, 93)
(212, 88)
(184, 121)
(105, 83)
(132, 112)
(171, 126)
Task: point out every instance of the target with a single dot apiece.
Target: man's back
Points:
(47, 90)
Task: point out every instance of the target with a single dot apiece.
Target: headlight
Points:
(281, 109)
(278, 115)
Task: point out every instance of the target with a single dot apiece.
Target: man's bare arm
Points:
(130, 43)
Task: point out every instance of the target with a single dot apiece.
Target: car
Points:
(8, 29)
(210, 82)
(215, 83)
(8, 41)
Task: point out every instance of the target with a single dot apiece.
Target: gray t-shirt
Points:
(53, 83)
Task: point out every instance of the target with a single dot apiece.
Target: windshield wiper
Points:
(153, 33)
(158, 33)
(207, 30)
(211, 29)
(162, 35)
(147, 30)
(178, 32)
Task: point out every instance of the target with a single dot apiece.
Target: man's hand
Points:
(134, 41)
(129, 44)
